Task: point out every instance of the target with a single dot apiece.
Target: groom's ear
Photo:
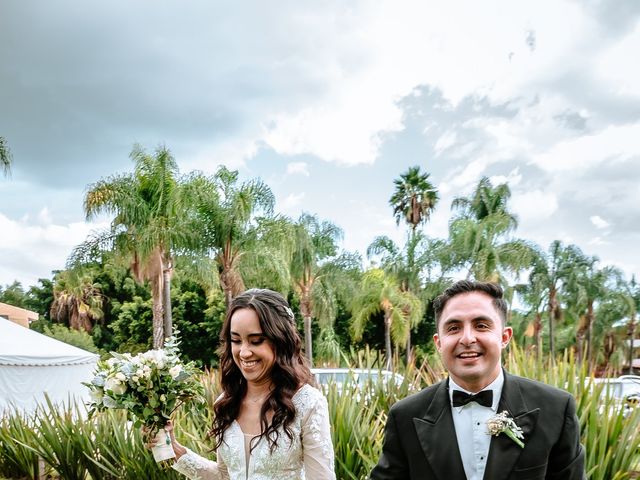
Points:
(436, 340)
(507, 333)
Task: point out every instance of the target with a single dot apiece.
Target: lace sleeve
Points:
(316, 441)
(195, 467)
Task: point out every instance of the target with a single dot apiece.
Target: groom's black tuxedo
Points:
(420, 440)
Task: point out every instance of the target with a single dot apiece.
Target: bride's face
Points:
(252, 352)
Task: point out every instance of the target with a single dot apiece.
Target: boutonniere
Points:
(503, 423)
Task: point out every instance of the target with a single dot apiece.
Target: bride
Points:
(269, 421)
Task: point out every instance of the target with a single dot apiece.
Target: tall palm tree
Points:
(380, 292)
(414, 197)
(551, 272)
(479, 234)
(589, 285)
(413, 202)
(314, 243)
(229, 224)
(5, 157)
(77, 298)
(152, 221)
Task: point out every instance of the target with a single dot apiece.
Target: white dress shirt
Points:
(470, 422)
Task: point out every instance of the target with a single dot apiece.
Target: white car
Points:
(623, 390)
(361, 376)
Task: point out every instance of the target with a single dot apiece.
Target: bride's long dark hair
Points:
(289, 372)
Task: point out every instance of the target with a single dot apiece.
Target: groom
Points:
(441, 432)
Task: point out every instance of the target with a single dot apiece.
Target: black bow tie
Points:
(484, 398)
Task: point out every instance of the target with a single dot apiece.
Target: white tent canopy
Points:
(32, 364)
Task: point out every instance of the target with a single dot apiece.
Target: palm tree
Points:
(380, 292)
(479, 234)
(532, 294)
(230, 225)
(414, 198)
(413, 202)
(589, 285)
(314, 242)
(550, 272)
(5, 157)
(152, 221)
(77, 298)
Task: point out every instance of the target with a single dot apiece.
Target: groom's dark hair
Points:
(468, 286)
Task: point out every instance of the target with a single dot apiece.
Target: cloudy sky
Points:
(327, 102)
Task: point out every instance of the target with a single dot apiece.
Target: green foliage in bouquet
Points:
(148, 386)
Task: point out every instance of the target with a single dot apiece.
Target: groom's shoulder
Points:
(537, 388)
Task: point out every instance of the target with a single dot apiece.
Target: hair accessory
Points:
(289, 313)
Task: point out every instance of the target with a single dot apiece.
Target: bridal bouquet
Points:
(149, 386)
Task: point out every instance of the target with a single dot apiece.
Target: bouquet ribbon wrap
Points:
(162, 449)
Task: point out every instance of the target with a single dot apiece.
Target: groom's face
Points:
(471, 336)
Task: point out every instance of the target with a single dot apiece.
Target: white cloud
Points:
(30, 250)
(599, 222)
(534, 206)
(298, 167)
(394, 47)
(292, 201)
(616, 67)
(512, 179)
(613, 143)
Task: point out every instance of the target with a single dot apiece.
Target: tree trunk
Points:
(537, 327)
(590, 334)
(308, 344)
(387, 339)
(553, 305)
(168, 322)
(409, 355)
(632, 335)
(158, 311)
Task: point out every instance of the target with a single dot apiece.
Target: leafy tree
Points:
(589, 284)
(13, 294)
(72, 336)
(414, 197)
(413, 201)
(5, 157)
(153, 220)
(40, 297)
(227, 216)
(314, 242)
(550, 272)
(380, 292)
(77, 299)
(479, 234)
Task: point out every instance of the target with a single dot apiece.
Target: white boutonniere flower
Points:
(503, 423)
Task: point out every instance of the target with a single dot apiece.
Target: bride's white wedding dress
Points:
(309, 456)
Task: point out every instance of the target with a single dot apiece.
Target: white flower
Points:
(121, 376)
(96, 396)
(503, 423)
(156, 357)
(163, 397)
(114, 385)
(175, 371)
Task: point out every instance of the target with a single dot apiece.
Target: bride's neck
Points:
(259, 390)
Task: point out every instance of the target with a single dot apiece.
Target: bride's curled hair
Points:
(289, 372)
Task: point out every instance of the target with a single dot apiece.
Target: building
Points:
(17, 315)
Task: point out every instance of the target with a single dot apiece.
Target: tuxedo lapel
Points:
(504, 452)
(437, 437)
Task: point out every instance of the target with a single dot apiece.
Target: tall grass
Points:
(107, 447)
(609, 432)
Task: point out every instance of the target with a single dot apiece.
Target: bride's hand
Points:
(178, 449)
(150, 442)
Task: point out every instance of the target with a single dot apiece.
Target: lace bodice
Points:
(308, 456)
